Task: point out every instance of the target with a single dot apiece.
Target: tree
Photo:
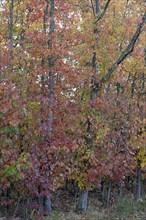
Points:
(72, 96)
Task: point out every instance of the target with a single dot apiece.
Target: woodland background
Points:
(72, 106)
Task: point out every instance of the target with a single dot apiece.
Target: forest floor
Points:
(125, 209)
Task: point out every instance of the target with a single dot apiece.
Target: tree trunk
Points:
(97, 7)
(83, 198)
(139, 181)
(48, 204)
(47, 199)
(109, 194)
(103, 193)
(11, 28)
(11, 36)
(83, 201)
(120, 189)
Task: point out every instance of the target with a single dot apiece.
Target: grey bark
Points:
(139, 181)
(97, 7)
(83, 201)
(103, 192)
(48, 204)
(94, 88)
(46, 16)
(51, 72)
(100, 15)
(109, 194)
(120, 189)
(47, 199)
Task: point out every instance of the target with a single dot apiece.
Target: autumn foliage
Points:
(72, 109)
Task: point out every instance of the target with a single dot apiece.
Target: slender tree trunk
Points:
(139, 181)
(48, 204)
(144, 56)
(83, 201)
(133, 85)
(97, 7)
(103, 193)
(139, 174)
(109, 194)
(47, 199)
(83, 198)
(11, 30)
(51, 72)
(120, 189)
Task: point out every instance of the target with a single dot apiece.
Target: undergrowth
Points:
(126, 209)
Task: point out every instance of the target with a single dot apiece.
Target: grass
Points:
(126, 209)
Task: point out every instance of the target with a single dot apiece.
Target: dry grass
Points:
(126, 209)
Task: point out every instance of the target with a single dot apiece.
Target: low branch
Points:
(126, 52)
(103, 12)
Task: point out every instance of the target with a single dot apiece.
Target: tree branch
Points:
(103, 12)
(92, 7)
(126, 52)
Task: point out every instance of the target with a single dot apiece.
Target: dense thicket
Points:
(72, 89)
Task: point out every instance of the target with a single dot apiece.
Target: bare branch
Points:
(126, 52)
(92, 7)
(103, 12)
